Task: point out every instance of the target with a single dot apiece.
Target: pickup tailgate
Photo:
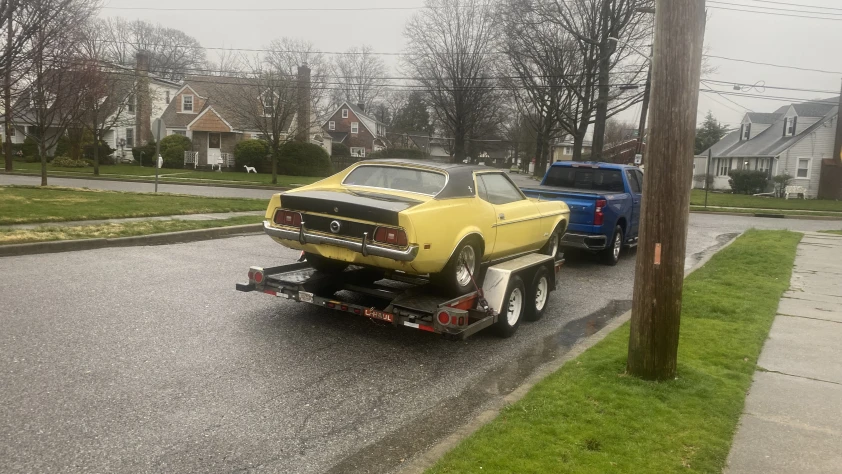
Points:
(582, 205)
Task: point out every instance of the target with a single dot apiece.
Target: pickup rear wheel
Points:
(325, 265)
(611, 254)
(514, 305)
(462, 270)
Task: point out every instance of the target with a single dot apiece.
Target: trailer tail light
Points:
(391, 236)
(290, 218)
(598, 214)
(444, 318)
(452, 317)
(256, 275)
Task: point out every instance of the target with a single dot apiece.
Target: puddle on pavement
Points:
(450, 414)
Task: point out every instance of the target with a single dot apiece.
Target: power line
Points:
(269, 9)
(764, 9)
(797, 5)
(773, 87)
(773, 65)
(773, 13)
(834, 101)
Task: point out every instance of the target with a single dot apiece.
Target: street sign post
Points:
(158, 128)
(638, 159)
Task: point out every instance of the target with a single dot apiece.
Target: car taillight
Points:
(290, 218)
(388, 235)
(598, 215)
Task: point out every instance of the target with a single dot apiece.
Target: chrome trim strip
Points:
(361, 246)
(525, 219)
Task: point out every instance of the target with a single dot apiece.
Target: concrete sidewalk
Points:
(178, 217)
(792, 420)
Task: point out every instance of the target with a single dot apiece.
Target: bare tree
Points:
(617, 131)
(51, 101)
(606, 31)
(226, 63)
(20, 22)
(173, 53)
(359, 77)
(449, 50)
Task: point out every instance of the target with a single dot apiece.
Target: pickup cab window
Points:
(586, 179)
(634, 184)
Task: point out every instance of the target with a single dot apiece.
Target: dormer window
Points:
(187, 103)
(168, 96)
(344, 113)
(746, 132)
(268, 105)
(789, 126)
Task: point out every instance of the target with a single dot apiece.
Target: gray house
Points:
(794, 139)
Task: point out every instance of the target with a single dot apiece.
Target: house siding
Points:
(363, 139)
(200, 144)
(198, 102)
(817, 145)
(210, 122)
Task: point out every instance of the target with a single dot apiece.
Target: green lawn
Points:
(24, 204)
(837, 232)
(170, 175)
(120, 229)
(592, 417)
(697, 198)
(760, 211)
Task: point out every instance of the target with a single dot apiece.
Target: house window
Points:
(355, 127)
(187, 103)
(129, 137)
(803, 168)
(746, 131)
(183, 133)
(344, 113)
(723, 166)
(167, 97)
(268, 105)
(331, 125)
(358, 151)
(789, 126)
(130, 103)
(568, 150)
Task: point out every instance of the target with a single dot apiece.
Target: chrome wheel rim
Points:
(515, 306)
(541, 293)
(467, 261)
(618, 243)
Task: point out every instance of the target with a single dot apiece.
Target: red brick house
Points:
(352, 127)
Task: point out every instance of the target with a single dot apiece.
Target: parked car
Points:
(604, 201)
(417, 217)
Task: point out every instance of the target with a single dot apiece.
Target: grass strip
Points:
(591, 417)
(752, 212)
(697, 198)
(27, 204)
(837, 232)
(113, 230)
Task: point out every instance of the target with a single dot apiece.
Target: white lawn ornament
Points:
(250, 169)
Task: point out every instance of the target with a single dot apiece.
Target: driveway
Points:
(146, 359)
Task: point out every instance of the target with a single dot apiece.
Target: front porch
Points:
(212, 150)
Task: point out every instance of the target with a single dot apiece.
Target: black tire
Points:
(538, 295)
(325, 265)
(553, 244)
(453, 280)
(611, 254)
(510, 315)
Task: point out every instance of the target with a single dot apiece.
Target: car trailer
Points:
(512, 290)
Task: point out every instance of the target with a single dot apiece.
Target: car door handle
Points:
(502, 216)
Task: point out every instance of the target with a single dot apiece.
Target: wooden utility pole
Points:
(659, 271)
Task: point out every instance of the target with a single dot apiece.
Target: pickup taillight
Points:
(290, 218)
(598, 214)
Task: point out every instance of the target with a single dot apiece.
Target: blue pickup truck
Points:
(604, 201)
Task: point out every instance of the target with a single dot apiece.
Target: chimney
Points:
(143, 105)
(302, 133)
(361, 106)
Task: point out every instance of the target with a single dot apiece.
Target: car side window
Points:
(498, 189)
(481, 191)
(633, 183)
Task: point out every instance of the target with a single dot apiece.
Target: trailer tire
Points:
(325, 265)
(538, 295)
(454, 281)
(514, 305)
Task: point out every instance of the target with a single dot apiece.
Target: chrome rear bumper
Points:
(362, 246)
(584, 241)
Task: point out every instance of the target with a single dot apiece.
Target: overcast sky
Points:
(785, 40)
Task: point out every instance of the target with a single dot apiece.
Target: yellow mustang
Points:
(418, 217)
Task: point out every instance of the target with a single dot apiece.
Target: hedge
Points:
(340, 149)
(252, 153)
(748, 181)
(172, 150)
(148, 151)
(303, 159)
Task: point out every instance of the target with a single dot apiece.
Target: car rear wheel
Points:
(462, 270)
(514, 305)
(325, 265)
(611, 254)
(554, 242)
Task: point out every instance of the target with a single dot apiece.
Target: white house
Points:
(794, 139)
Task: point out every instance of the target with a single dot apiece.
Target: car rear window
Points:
(586, 179)
(397, 178)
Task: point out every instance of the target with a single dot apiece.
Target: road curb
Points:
(152, 181)
(425, 460)
(139, 240)
(772, 216)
